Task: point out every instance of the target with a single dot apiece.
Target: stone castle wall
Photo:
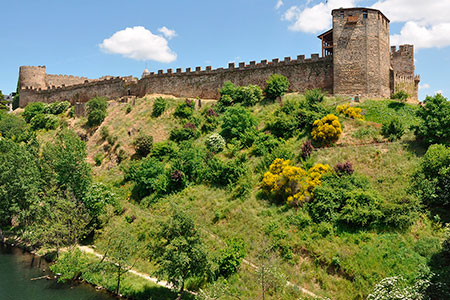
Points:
(302, 73)
(402, 61)
(113, 87)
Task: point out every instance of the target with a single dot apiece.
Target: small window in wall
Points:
(365, 14)
(342, 14)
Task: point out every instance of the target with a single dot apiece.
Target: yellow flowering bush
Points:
(327, 130)
(293, 184)
(351, 112)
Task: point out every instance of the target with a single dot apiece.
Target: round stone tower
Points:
(361, 57)
(32, 76)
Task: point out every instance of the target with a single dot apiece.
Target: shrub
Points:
(164, 149)
(159, 106)
(143, 144)
(314, 96)
(112, 139)
(98, 158)
(327, 130)
(231, 257)
(211, 120)
(282, 125)
(400, 95)
(248, 95)
(183, 134)
(104, 132)
(434, 127)
(97, 199)
(228, 89)
(276, 86)
(345, 168)
(42, 121)
(56, 108)
(264, 144)
(32, 109)
(348, 200)
(431, 181)
(227, 173)
(121, 155)
(12, 126)
(237, 122)
(307, 149)
(184, 111)
(150, 177)
(128, 109)
(351, 112)
(293, 184)
(215, 143)
(393, 130)
(191, 161)
(96, 111)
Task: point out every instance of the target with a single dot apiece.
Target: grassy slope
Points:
(339, 265)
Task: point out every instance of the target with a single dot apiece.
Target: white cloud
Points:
(279, 4)
(139, 43)
(168, 33)
(424, 86)
(427, 22)
(315, 18)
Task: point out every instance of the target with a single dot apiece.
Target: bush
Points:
(97, 199)
(104, 132)
(276, 86)
(98, 159)
(434, 127)
(264, 144)
(351, 112)
(164, 149)
(159, 106)
(184, 110)
(41, 121)
(150, 177)
(292, 184)
(215, 143)
(143, 144)
(393, 130)
(345, 168)
(96, 111)
(191, 161)
(314, 96)
(327, 130)
(12, 126)
(227, 173)
(283, 125)
(237, 123)
(183, 134)
(248, 95)
(400, 95)
(307, 149)
(431, 182)
(32, 109)
(231, 257)
(348, 200)
(211, 120)
(56, 108)
(228, 89)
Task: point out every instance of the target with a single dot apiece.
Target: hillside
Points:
(298, 249)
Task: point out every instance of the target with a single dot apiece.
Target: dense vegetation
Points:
(242, 198)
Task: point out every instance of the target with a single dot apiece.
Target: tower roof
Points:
(360, 9)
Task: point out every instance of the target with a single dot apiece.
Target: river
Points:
(17, 268)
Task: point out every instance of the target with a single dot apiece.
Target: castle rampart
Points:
(357, 60)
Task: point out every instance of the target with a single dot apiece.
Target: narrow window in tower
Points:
(342, 14)
(365, 14)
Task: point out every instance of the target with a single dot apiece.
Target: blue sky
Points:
(66, 36)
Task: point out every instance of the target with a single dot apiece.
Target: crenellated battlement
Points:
(189, 71)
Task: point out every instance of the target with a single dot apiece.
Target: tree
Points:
(120, 247)
(64, 164)
(61, 222)
(96, 111)
(276, 86)
(237, 122)
(178, 250)
(20, 184)
(434, 127)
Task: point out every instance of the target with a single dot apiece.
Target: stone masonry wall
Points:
(402, 61)
(111, 88)
(60, 80)
(302, 73)
(361, 52)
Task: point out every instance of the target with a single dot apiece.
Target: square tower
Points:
(361, 53)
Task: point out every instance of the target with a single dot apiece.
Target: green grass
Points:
(382, 111)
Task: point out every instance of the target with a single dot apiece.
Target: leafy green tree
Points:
(32, 109)
(12, 126)
(178, 250)
(159, 106)
(20, 183)
(434, 127)
(121, 248)
(150, 177)
(231, 257)
(96, 201)
(143, 144)
(96, 111)
(276, 86)
(64, 164)
(61, 222)
(237, 123)
(71, 265)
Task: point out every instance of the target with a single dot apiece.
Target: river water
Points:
(17, 268)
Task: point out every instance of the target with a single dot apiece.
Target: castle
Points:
(356, 60)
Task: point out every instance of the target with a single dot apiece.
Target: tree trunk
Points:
(180, 293)
(118, 280)
(2, 238)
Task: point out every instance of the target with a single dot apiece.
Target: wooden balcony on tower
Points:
(327, 43)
